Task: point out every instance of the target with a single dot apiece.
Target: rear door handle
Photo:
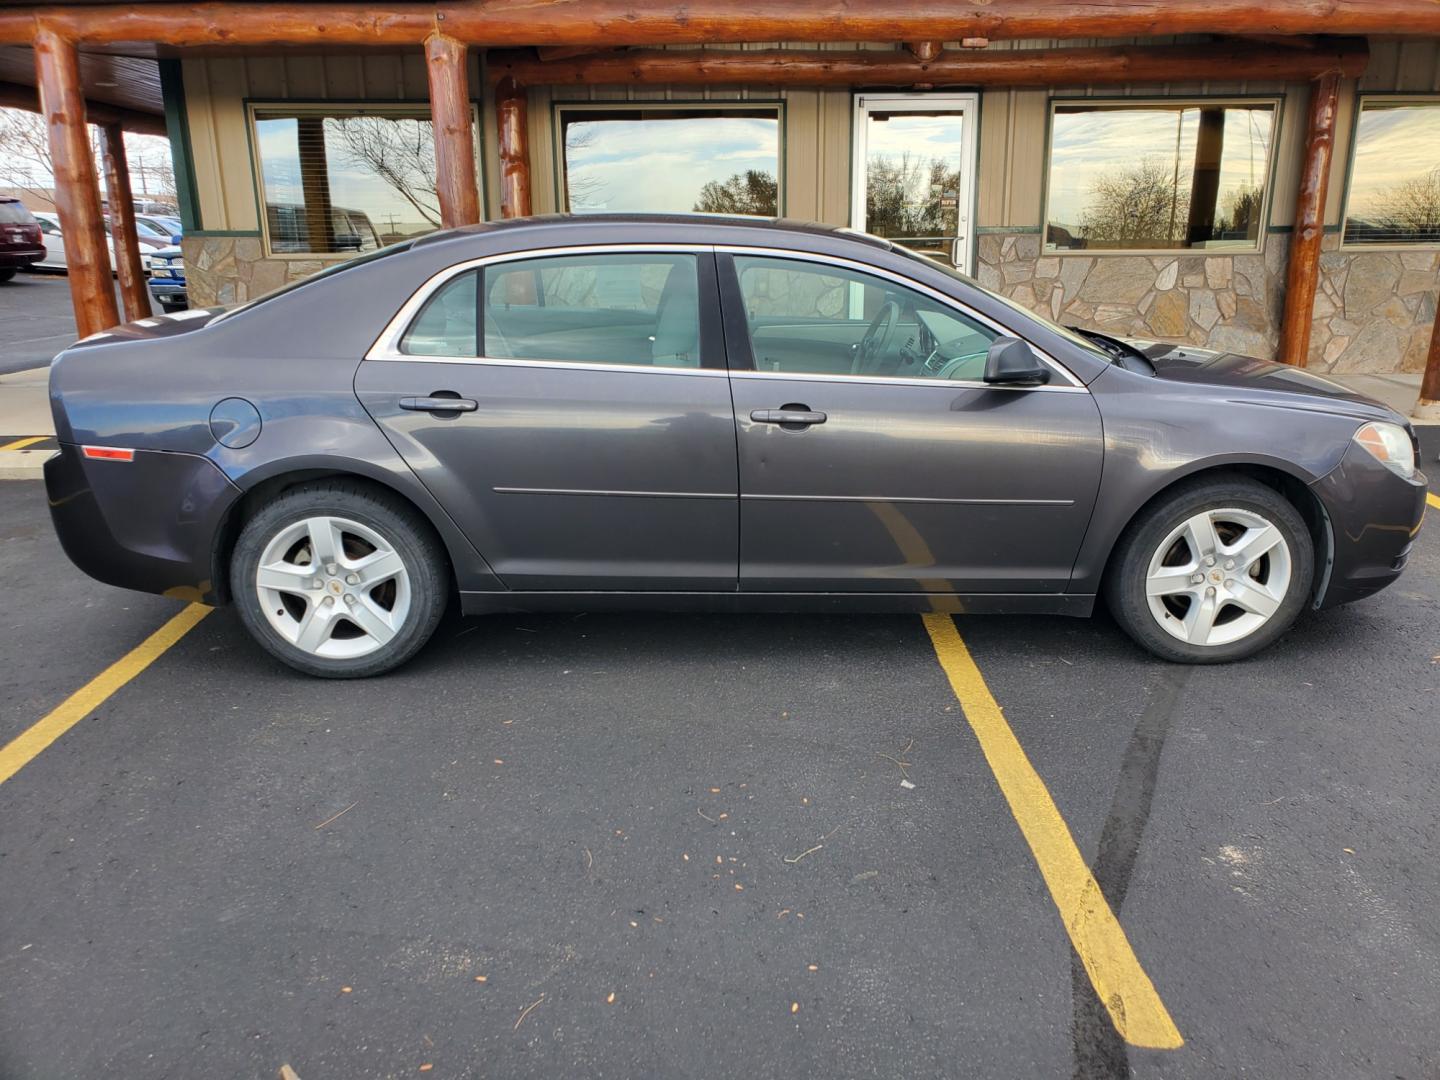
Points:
(790, 415)
(438, 404)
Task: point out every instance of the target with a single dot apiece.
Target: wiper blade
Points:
(1129, 357)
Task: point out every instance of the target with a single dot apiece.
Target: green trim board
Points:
(182, 157)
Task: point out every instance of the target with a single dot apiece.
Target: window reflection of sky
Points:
(1086, 145)
(660, 164)
(1393, 144)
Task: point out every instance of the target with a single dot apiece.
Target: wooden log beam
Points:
(924, 51)
(1106, 65)
(515, 23)
(133, 294)
(20, 96)
(1303, 272)
(454, 131)
(77, 190)
(511, 123)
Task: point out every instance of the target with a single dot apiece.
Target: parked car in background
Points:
(21, 245)
(350, 230)
(693, 413)
(54, 241)
(160, 226)
(167, 279)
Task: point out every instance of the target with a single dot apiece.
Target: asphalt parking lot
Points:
(681, 846)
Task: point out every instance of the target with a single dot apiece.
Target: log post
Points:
(122, 225)
(454, 131)
(1428, 406)
(1303, 273)
(514, 149)
(77, 188)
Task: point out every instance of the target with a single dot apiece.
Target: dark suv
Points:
(20, 243)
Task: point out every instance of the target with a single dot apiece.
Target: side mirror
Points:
(1010, 362)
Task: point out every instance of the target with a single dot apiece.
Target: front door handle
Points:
(438, 403)
(790, 416)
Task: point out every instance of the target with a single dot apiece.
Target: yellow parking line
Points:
(20, 444)
(1433, 499)
(1120, 982)
(27, 745)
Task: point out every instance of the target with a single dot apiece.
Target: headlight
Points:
(1390, 445)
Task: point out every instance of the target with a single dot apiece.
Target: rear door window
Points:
(14, 213)
(617, 308)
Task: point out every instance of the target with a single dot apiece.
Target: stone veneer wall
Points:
(234, 269)
(1373, 309)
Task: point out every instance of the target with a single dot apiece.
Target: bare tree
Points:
(907, 196)
(1241, 213)
(752, 192)
(25, 154)
(400, 152)
(1410, 209)
(1141, 206)
(583, 190)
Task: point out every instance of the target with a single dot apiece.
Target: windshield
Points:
(1079, 340)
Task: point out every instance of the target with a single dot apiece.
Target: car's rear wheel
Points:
(339, 579)
(1215, 571)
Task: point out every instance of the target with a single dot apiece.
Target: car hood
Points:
(1278, 383)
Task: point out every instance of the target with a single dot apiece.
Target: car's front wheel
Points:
(339, 579)
(1215, 571)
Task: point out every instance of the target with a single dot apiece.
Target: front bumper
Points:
(168, 290)
(1374, 517)
(149, 524)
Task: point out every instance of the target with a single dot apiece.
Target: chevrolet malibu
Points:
(714, 414)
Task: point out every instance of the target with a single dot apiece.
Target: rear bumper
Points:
(20, 259)
(1374, 516)
(149, 524)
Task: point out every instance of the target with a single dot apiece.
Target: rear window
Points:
(14, 213)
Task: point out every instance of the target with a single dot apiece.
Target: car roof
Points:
(722, 222)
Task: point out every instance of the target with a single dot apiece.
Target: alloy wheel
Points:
(333, 587)
(1219, 576)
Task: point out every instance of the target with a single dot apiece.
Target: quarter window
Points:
(446, 324)
(817, 319)
(1395, 180)
(596, 309)
(1158, 176)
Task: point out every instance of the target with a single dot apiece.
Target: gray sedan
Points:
(706, 414)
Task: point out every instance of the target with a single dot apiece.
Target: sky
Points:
(1394, 145)
(140, 152)
(661, 164)
(1085, 145)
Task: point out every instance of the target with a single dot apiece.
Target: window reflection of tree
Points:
(401, 152)
(906, 196)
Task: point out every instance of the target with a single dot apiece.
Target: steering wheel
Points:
(879, 336)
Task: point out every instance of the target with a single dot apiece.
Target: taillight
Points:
(108, 453)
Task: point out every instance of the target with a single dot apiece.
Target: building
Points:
(1224, 175)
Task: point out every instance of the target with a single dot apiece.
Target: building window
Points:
(1158, 175)
(1394, 195)
(721, 160)
(343, 180)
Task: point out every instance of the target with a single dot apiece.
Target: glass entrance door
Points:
(913, 178)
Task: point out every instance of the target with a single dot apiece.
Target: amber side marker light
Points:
(107, 453)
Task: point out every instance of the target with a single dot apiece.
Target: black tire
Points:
(6, 273)
(411, 537)
(1125, 582)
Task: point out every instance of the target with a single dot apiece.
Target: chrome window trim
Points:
(920, 287)
(387, 345)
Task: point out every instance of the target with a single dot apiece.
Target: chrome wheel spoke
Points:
(325, 544)
(370, 618)
(316, 626)
(1254, 544)
(285, 577)
(1171, 581)
(1251, 596)
(1199, 533)
(377, 567)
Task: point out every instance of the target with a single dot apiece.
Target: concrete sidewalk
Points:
(24, 412)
